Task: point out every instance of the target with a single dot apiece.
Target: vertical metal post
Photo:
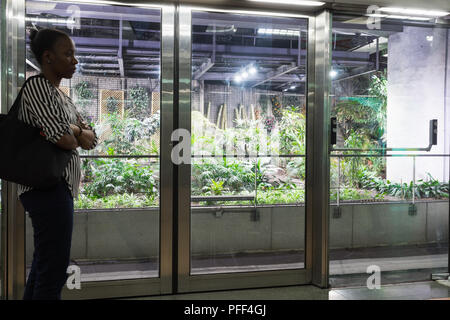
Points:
(414, 180)
(339, 180)
(378, 55)
(13, 215)
(167, 253)
(318, 159)
(183, 30)
(3, 224)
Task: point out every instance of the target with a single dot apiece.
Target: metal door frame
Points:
(175, 180)
(317, 164)
(13, 217)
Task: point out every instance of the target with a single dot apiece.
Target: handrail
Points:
(374, 155)
(224, 198)
(197, 156)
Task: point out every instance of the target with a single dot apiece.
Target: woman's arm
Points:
(46, 114)
(68, 141)
(88, 139)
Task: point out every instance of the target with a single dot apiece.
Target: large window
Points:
(248, 142)
(389, 193)
(117, 89)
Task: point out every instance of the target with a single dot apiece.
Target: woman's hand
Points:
(86, 139)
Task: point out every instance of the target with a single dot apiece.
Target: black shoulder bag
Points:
(26, 157)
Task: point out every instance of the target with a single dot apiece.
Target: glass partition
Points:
(389, 177)
(248, 120)
(117, 89)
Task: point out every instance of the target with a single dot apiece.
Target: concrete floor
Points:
(407, 291)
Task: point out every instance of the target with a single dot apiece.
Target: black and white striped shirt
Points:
(46, 107)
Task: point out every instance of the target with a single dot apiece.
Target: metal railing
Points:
(253, 197)
(374, 155)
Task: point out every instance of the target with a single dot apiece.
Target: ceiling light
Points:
(49, 20)
(333, 73)
(238, 79)
(418, 18)
(244, 74)
(293, 2)
(430, 13)
(252, 70)
(376, 15)
(430, 38)
(293, 87)
(407, 17)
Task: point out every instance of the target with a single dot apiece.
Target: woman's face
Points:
(62, 58)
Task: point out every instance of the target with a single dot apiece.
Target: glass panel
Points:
(389, 208)
(117, 89)
(248, 142)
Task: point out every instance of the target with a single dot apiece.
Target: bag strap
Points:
(14, 111)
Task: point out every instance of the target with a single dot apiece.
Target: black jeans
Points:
(51, 213)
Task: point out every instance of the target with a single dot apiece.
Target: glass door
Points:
(119, 226)
(243, 89)
(390, 165)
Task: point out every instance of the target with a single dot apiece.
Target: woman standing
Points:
(45, 106)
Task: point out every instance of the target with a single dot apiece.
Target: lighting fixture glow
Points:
(39, 19)
(430, 38)
(244, 74)
(293, 87)
(396, 16)
(238, 79)
(252, 70)
(282, 32)
(430, 13)
(333, 73)
(376, 15)
(294, 2)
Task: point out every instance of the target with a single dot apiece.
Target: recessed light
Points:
(430, 13)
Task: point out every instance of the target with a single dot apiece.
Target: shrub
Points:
(114, 176)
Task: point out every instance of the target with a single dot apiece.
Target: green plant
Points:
(236, 176)
(114, 176)
(112, 105)
(215, 188)
(116, 201)
(128, 135)
(139, 103)
(430, 188)
(85, 95)
(281, 195)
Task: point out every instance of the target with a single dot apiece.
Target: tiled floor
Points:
(409, 291)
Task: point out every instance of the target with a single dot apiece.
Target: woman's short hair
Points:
(44, 39)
